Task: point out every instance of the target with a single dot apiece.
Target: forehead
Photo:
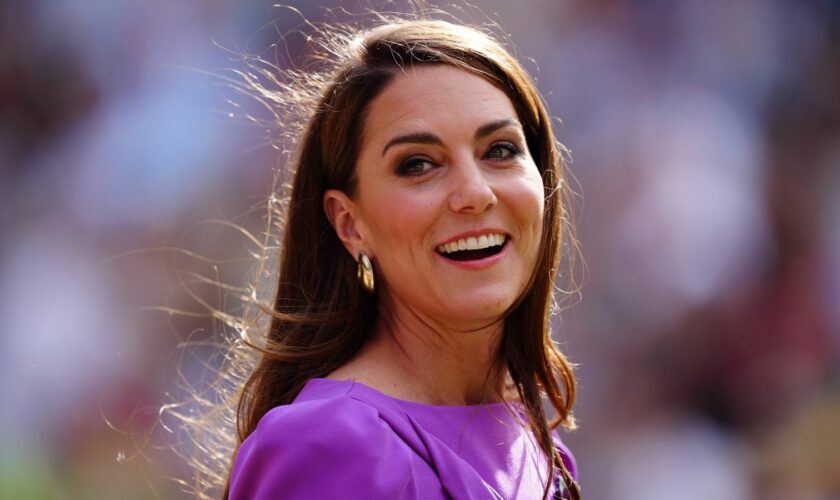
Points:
(434, 98)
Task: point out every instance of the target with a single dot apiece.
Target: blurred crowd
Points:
(705, 139)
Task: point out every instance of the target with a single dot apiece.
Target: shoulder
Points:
(333, 417)
(321, 447)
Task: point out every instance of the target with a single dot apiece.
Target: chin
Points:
(483, 309)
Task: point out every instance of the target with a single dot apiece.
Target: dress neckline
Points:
(352, 387)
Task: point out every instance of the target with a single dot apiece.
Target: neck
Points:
(411, 356)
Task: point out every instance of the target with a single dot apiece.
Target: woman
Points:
(409, 350)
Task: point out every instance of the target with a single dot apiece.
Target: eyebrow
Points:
(428, 138)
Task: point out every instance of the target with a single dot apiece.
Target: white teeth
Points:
(473, 243)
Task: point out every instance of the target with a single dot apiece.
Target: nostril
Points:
(472, 200)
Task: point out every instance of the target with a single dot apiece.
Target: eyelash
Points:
(512, 148)
(404, 168)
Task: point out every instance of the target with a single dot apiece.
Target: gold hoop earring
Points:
(364, 273)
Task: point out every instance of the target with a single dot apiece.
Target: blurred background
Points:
(706, 144)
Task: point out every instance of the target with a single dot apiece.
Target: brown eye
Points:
(503, 151)
(416, 165)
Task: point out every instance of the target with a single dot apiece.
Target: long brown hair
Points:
(320, 318)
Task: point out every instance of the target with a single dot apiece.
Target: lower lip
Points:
(478, 263)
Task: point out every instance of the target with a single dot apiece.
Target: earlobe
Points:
(341, 212)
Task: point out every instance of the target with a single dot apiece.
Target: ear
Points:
(342, 214)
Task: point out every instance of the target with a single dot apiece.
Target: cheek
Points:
(530, 201)
(397, 220)
(530, 210)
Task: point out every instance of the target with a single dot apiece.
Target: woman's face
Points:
(450, 203)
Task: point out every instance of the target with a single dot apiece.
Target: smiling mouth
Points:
(473, 248)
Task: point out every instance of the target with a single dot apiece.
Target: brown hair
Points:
(320, 318)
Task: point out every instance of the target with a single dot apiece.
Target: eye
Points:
(503, 151)
(416, 165)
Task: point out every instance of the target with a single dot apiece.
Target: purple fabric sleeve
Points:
(568, 458)
(335, 448)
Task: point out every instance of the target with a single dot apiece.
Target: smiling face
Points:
(449, 203)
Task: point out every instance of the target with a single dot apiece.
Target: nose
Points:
(471, 192)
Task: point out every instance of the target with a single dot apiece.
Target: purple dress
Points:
(343, 439)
